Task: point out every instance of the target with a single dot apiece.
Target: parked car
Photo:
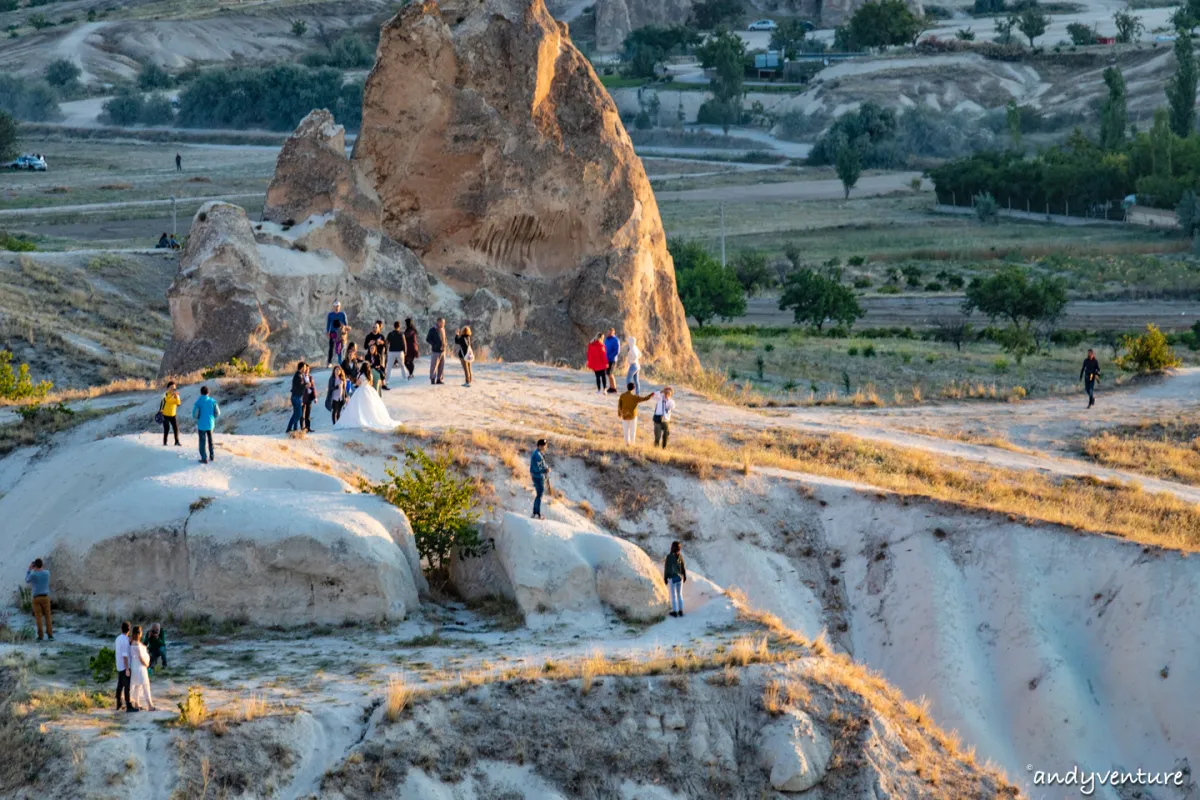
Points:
(29, 162)
(762, 25)
(1164, 37)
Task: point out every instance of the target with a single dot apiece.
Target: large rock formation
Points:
(128, 526)
(492, 183)
(501, 161)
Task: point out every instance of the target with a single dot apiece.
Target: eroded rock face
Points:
(500, 160)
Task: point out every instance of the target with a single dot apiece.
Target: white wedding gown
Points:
(365, 409)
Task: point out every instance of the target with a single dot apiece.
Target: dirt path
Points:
(828, 189)
(85, 208)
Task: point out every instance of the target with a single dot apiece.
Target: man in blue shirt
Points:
(39, 586)
(612, 348)
(538, 470)
(334, 331)
(205, 412)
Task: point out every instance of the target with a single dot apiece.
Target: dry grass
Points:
(399, 695)
(253, 707)
(1166, 448)
(595, 664)
(119, 386)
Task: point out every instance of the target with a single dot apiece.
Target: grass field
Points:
(1165, 448)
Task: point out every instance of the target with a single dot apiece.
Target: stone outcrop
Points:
(500, 160)
(145, 529)
(795, 751)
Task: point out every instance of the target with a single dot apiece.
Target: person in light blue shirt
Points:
(205, 412)
(538, 470)
(38, 579)
(612, 349)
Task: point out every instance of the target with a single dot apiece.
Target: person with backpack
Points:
(395, 353)
(335, 320)
(612, 350)
(298, 389)
(38, 578)
(205, 411)
(436, 339)
(663, 406)
(411, 351)
(1089, 375)
(675, 575)
(462, 348)
(597, 362)
(538, 470)
(168, 408)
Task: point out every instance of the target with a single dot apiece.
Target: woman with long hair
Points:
(466, 355)
(336, 394)
(675, 574)
(139, 675)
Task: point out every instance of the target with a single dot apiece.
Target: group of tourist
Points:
(204, 411)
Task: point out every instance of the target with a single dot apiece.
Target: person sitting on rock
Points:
(173, 243)
(163, 242)
(538, 470)
(675, 575)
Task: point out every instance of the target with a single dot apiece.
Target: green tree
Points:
(8, 136)
(1181, 89)
(752, 270)
(1030, 306)
(706, 288)
(848, 166)
(986, 208)
(103, 665)
(1004, 29)
(124, 109)
(1113, 113)
(1188, 213)
(708, 15)
(881, 23)
(725, 54)
(1129, 27)
(153, 77)
(439, 502)
(299, 28)
(788, 37)
(1081, 34)
(157, 110)
(645, 48)
(815, 299)
(18, 385)
(1147, 353)
(62, 73)
(1032, 22)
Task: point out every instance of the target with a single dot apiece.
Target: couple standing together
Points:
(134, 660)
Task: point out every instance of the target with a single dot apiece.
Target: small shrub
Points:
(192, 711)
(1148, 353)
(856, 261)
(852, 351)
(16, 244)
(18, 385)
(103, 665)
(933, 286)
(986, 208)
(889, 289)
(399, 695)
(1000, 364)
(299, 28)
(862, 282)
(869, 351)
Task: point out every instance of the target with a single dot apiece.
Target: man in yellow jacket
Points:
(168, 408)
(627, 410)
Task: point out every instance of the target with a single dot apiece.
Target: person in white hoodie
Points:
(634, 355)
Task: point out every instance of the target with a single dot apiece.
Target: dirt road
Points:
(828, 189)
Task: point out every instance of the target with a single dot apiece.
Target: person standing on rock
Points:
(464, 351)
(139, 674)
(336, 394)
(539, 470)
(205, 412)
(334, 322)
(395, 352)
(597, 362)
(627, 412)
(634, 356)
(375, 337)
(121, 648)
(169, 407)
(675, 575)
(298, 388)
(663, 406)
(612, 351)
(411, 350)
(1089, 375)
(436, 338)
(38, 578)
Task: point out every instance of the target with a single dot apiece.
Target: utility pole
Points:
(722, 234)
(174, 224)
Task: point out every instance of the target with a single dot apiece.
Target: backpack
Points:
(158, 415)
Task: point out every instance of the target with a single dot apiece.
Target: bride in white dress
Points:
(365, 409)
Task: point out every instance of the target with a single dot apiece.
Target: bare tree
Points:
(954, 330)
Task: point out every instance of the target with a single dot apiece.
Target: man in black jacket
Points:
(437, 345)
(298, 388)
(375, 337)
(395, 352)
(1089, 375)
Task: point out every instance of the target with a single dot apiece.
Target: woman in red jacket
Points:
(597, 362)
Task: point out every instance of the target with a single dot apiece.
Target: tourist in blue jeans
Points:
(538, 470)
(299, 387)
(205, 412)
(675, 575)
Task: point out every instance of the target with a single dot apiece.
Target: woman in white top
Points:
(139, 677)
(634, 355)
(365, 409)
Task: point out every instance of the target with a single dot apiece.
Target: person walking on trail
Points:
(298, 389)
(336, 393)
(675, 575)
(121, 648)
(597, 362)
(634, 356)
(395, 352)
(178, 163)
(156, 643)
(436, 338)
(169, 407)
(464, 351)
(139, 673)
(627, 412)
(663, 406)
(205, 412)
(539, 470)
(612, 351)
(38, 578)
(411, 350)
(1089, 375)
(334, 322)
